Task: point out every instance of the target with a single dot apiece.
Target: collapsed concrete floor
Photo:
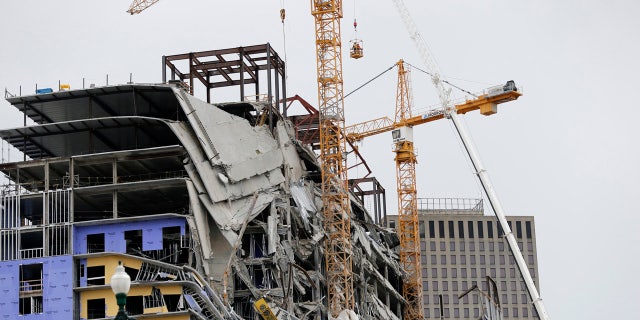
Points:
(248, 190)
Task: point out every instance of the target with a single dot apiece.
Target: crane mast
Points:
(335, 199)
(451, 113)
(407, 203)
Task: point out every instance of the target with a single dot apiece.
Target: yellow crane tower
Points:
(405, 158)
(335, 197)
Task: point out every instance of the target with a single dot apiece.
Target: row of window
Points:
(463, 245)
(516, 312)
(453, 273)
(461, 286)
(480, 259)
(471, 229)
(473, 298)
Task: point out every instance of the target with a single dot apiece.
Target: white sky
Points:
(564, 152)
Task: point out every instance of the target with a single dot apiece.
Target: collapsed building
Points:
(209, 206)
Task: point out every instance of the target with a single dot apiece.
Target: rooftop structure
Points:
(210, 207)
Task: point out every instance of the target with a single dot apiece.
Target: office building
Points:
(461, 247)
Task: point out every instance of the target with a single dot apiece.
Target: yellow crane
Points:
(405, 159)
(335, 197)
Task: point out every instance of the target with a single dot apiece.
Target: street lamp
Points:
(120, 284)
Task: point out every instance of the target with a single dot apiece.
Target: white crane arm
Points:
(424, 52)
(487, 186)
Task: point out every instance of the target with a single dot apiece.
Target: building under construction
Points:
(210, 206)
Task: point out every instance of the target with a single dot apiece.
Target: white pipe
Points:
(487, 186)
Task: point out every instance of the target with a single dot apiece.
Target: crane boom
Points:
(486, 103)
(138, 6)
(451, 113)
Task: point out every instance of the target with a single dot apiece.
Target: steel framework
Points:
(407, 205)
(335, 199)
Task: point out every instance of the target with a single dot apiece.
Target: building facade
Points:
(461, 247)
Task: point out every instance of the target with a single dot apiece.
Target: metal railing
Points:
(450, 205)
(31, 286)
(31, 253)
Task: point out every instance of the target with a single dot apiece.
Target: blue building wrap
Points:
(57, 288)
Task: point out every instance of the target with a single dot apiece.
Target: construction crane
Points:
(402, 132)
(452, 113)
(335, 197)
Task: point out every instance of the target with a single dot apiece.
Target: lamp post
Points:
(120, 284)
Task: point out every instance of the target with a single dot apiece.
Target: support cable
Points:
(444, 81)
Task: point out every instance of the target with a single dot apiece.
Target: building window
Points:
(392, 224)
(527, 229)
(454, 287)
(503, 274)
(451, 229)
(462, 246)
(30, 305)
(95, 243)
(441, 229)
(445, 287)
(434, 272)
(481, 245)
(133, 239)
(443, 246)
(466, 312)
(95, 276)
(463, 272)
(154, 300)
(453, 259)
(460, 229)
(470, 227)
(531, 259)
(519, 229)
(434, 259)
(421, 229)
(515, 312)
(443, 272)
(432, 245)
(512, 272)
(501, 246)
(173, 302)
(452, 245)
(454, 274)
(443, 259)
(480, 230)
(476, 313)
(490, 229)
(502, 259)
(482, 259)
(472, 246)
(463, 260)
(474, 273)
(432, 230)
(525, 312)
(492, 260)
(96, 309)
(473, 259)
(434, 284)
(492, 246)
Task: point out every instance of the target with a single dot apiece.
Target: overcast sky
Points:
(565, 152)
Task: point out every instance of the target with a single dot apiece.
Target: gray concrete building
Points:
(461, 247)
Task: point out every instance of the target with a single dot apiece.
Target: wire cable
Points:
(445, 81)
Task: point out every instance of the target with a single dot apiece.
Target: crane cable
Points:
(445, 81)
(369, 81)
(284, 38)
